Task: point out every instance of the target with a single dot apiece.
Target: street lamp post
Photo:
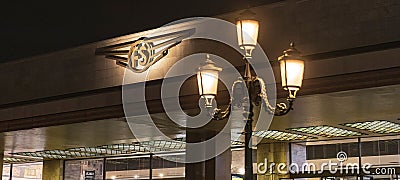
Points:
(292, 70)
(247, 32)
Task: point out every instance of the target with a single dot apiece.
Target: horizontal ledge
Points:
(352, 81)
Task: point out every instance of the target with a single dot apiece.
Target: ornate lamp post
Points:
(292, 70)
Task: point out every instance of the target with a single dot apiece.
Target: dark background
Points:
(29, 28)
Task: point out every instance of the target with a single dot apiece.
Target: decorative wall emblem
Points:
(140, 54)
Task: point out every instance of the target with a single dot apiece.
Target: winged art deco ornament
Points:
(140, 54)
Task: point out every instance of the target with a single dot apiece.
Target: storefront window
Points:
(6, 172)
(168, 166)
(137, 167)
(237, 165)
(28, 171)
(320, 152)
(82, 169)
(381, 151)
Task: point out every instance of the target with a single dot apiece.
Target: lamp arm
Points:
(218, 114)
(281, 108)
(264, 96)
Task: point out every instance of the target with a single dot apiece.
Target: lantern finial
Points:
(247, 15)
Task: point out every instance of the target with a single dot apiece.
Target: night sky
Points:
(29, 28)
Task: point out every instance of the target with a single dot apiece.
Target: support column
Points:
(52, 170)
(276, 153)
(194, 171)
(223, 165)
(217, 168)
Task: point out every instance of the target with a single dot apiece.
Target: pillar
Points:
(52, 170)
(277, 153)
(217, 168)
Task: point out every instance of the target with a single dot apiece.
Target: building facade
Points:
(66, 108)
